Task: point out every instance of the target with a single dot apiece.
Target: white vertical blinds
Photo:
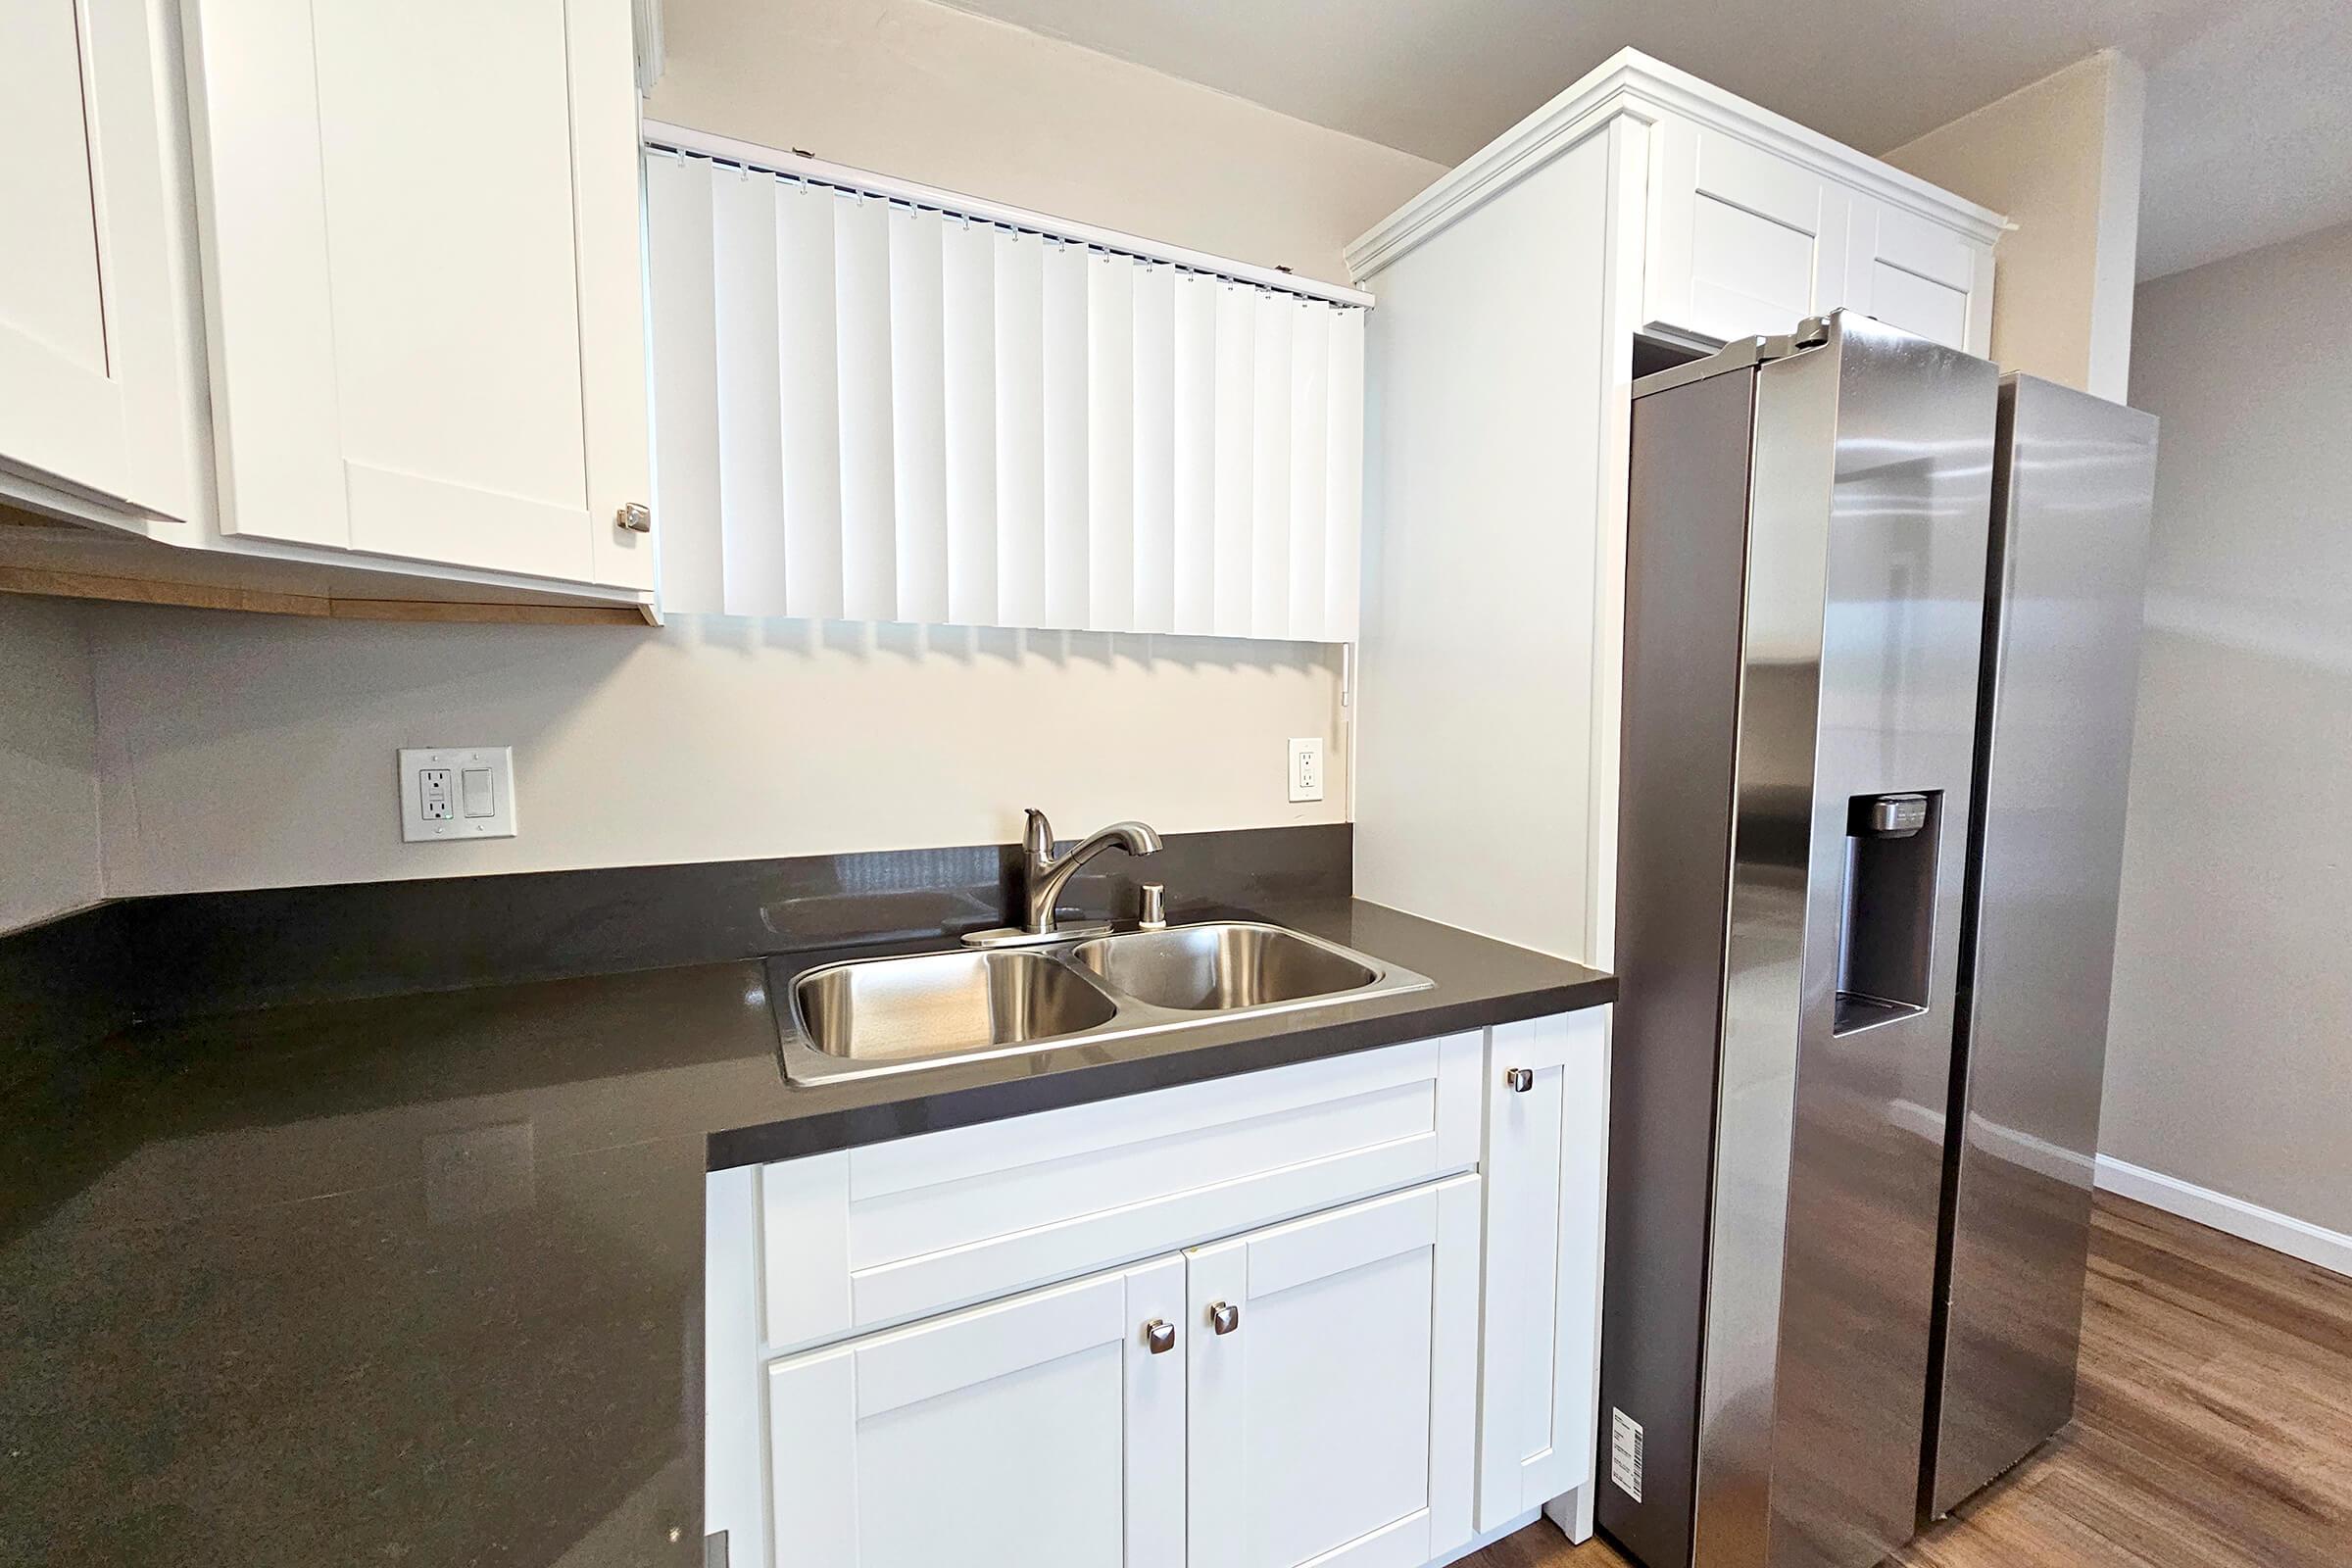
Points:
(869, 408)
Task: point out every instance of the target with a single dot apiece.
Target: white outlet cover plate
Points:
(1307, 767)
(497, 760)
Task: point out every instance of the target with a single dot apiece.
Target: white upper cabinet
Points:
(92, 392)
(1743, 243)
(420, 236)
(1754, 224)
(1918, 276)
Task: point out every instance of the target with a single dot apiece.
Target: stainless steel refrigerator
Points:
(1791, 1231)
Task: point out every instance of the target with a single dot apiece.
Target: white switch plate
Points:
(441, 793)
(1307, 767)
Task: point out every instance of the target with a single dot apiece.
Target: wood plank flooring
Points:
(2213, 1429)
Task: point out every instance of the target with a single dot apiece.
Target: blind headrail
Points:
(679, 140)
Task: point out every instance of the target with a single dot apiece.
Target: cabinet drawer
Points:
(864, 1237)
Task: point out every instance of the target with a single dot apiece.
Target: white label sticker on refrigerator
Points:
(1625, 1454)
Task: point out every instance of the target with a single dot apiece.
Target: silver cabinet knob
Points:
(1224, 1317)
(1160, 1335)
(636, 517)
(1520, 1079)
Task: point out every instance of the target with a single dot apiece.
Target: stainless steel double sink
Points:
(879, 1016)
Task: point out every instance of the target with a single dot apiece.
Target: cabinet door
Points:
(1919, 277)
(1333, 1368)
(1743, 243)
(1039, 1431)
(421, 234)
(1545, 1162)
(92, 384)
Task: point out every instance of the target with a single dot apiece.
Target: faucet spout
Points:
(1046, 874)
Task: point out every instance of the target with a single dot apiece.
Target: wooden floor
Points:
(2213, 1428)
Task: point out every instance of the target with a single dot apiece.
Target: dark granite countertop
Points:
(1477, 982)
(418, 1279)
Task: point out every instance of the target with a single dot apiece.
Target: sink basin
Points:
(1220, 967)
(945, 1005)
(886, 1015)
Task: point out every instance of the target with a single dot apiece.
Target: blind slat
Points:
(1195, 455)
(750, 456)
(1235, 397)
(1109, 444)
(1343, 488)
(1153, 494)
(1021, 430)
(968, 331)
(918, 416)
(1270, 470)
(811, 412)
(685, 377)
(1310, 415)
(1065, 429)
(868, 529)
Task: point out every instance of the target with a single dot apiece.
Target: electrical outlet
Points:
(1307, 767)
(460, 792)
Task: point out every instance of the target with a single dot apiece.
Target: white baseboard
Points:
(2264, 1227)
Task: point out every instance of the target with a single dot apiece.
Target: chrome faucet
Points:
(1043, 876)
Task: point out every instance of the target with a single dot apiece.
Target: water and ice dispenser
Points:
(1887, 918)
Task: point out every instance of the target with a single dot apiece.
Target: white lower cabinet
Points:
(1043, 1432)
(1333, 1376)
(1372, 1382)
(1546, 1164)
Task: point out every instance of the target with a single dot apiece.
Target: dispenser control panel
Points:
(1890, 817)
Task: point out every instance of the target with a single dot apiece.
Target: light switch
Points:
(457, 792)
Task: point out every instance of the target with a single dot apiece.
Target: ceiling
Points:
(2249, 135)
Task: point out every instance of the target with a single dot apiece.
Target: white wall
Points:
(257, 751)
(2230, 1056)
(48, 764)
(914, 89)
(246, 751)
(2061, 156)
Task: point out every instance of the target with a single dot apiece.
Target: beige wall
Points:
(245, 752)
(2061, 157)
(48, 764)
(255, 752)
(910, 88)
(2230, 1059)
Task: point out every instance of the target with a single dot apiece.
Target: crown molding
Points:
(1631, 83)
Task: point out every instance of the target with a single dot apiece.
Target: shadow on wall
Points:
(1007, 645)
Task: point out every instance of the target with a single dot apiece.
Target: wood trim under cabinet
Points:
(215, 596)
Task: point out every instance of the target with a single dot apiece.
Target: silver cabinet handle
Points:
(636, 517)
(1224, 1317)
(1160, 1335)
(1520, 1079)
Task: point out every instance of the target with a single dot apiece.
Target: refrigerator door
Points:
(2073, 483)
(1865, 614)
